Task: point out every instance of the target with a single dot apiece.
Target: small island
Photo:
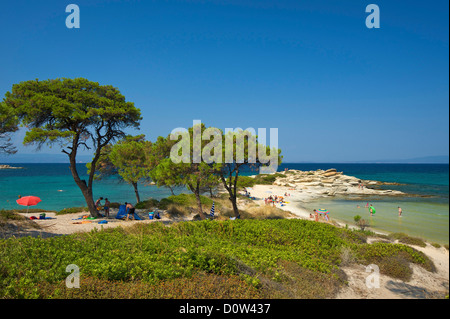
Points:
(3, 166)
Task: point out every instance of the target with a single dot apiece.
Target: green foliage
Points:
(186, 200)
(6, 215)
(72, 210)
(245, 181)
(361, 223)
(148, 204)
(61, 109)
(128, 158)
(404, 238)
(74, 114)
(198, 286)
(266, 179)
(260, 258)
(394, 259)
(8, 125)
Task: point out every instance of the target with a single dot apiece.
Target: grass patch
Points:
(267, 179)
(230, 287)
(404, 238)
(72, 210)
(7, 215)
(394, 259)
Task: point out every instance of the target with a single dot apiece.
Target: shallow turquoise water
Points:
(424, 218)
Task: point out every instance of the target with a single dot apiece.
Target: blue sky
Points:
(336, 90)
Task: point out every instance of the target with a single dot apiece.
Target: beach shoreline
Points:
(335, 191)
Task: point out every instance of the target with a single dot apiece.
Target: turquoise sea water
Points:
(427, 217)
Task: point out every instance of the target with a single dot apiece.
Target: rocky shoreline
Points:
(332, 183)
(9, 167)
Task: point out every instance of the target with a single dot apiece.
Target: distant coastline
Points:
(9, 167)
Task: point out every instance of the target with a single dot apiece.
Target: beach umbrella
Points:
(323, 211)
(211, 213)
(28, 201)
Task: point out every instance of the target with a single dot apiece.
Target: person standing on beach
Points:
(400, 211)
(130, 209)
(106, 207)
(316, 215)
(98, 203)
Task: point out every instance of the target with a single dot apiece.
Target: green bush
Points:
(258, 258)
(72, 210)
(10, 215)
(246, 181)
(404, 238)
(394, 259)
(267, 179)
(148, 204)
(184, 200)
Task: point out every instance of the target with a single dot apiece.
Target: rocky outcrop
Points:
(331, 183)
(9, 167)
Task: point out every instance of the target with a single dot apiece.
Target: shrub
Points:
(404, 238)
(246, 181)
(174, 210)
(148, 204)
(393, 259)
(10, 215)
(72, 210)
(267, 179)
(184, 200)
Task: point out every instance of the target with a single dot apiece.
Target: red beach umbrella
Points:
(28, 201)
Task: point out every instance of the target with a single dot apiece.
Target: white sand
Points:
(296, 197)
(65, 224)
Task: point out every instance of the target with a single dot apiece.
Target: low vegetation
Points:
(406, 239)
(270, 258)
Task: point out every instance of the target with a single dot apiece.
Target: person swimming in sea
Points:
(371, 210)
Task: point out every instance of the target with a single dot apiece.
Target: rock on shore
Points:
(331, 182)
(9, 167)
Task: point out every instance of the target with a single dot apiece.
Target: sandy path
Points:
(65, 224)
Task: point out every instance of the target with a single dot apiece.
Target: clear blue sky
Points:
(336, 90)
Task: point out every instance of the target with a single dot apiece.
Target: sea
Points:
(425, 215)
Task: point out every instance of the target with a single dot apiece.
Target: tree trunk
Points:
(232, 189)
(235, 208)
(135, 186)
(171, 190)
(199, 204)
(196, 191)
(85, 190)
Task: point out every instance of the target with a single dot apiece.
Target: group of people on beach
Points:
(317, 217)
(275, 199)
(372, 209)
(130, 209)
(105, 207)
